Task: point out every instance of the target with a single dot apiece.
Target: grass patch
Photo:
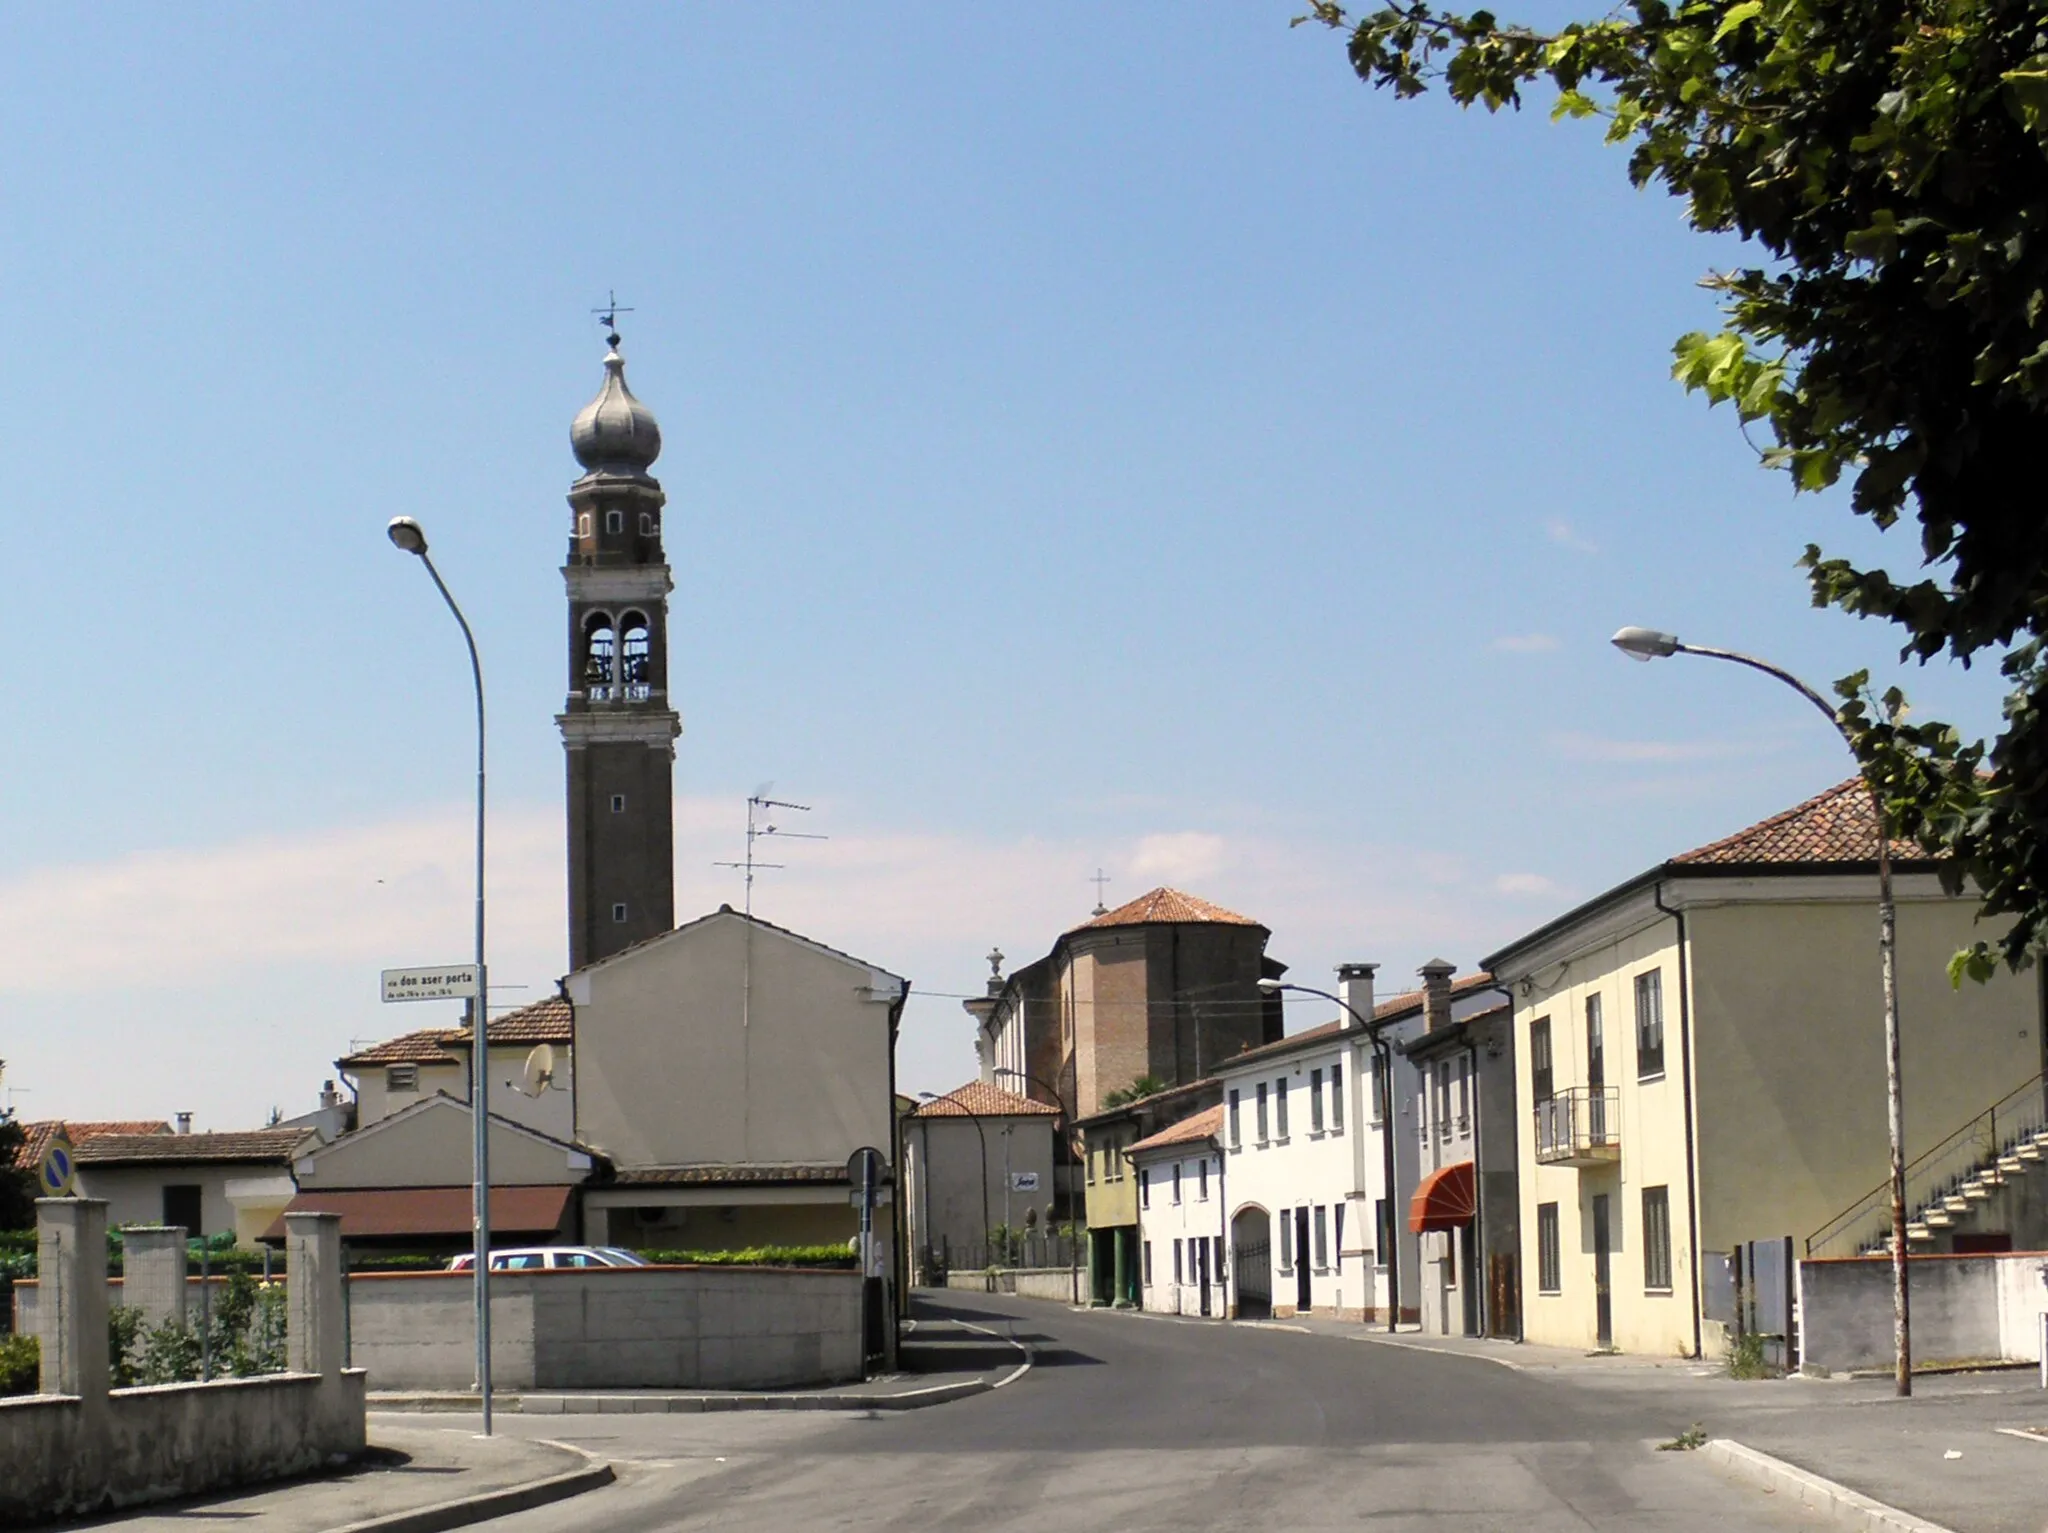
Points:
(1746, 1359)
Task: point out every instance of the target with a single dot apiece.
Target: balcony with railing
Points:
(1580, 1126)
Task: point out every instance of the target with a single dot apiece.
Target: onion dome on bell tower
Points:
(615, 433)
(618, 724)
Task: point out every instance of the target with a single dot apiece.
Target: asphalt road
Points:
(1133, 1423)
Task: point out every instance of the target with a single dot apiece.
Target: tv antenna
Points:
(759, 827)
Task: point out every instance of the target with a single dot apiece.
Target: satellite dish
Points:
(540, 1069)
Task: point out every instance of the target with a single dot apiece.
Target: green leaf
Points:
(1736, 15)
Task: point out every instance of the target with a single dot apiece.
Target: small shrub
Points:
(124, 1328)
(1746, 1359)
(21, 1365)
(1692, 1437)
(169, 1354)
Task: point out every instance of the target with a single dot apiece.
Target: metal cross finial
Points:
(1101, 878)
(608, 316)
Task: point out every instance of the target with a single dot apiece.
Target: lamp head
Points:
(407, 534)
(1645, 643)
(1273, 986)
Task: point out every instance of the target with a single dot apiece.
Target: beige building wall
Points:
(434, 1147)
(1788, 1077)
(1652, 1136)
(728, 1042)
(1792, 1091)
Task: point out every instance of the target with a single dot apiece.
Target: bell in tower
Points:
(618, 729)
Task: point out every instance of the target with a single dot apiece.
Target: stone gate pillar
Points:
(153, 1272)
(313, 1294)
(71, 1304)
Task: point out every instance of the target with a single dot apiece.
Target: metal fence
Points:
(1021, 1250)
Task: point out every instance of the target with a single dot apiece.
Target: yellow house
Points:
(1699, 1058)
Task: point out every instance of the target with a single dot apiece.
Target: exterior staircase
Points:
(1950, 1184)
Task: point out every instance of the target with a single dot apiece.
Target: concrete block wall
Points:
(611, 1328)
(79, 1447)
(1965, 1309)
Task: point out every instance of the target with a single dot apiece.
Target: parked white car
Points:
(544, 1258)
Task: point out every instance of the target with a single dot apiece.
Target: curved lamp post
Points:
(1648, 644)
(1386, 1060)
(408, 536)
(1073, 1240)
(974, 1118)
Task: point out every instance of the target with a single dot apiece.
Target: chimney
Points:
(1436, 994)
(1354, 989)
(329, 1097)
(184, 1123)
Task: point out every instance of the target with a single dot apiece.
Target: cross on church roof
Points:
(608, 316)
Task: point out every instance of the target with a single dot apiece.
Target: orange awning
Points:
(1445, 1200)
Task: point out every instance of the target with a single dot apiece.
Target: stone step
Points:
(1915, 1232)
(1956, 1203)
(2029, 1151)
(1936, 1218)
(2012, 1165)
(1976, 1189)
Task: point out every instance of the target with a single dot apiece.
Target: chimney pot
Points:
(184, 1123)
(1436, 994)
(1354, 989)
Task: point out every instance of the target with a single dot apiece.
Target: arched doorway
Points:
(1251, 1258)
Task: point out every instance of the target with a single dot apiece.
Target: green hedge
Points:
(757, 1256)
(20, 1365)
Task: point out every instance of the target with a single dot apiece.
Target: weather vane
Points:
(608, 316)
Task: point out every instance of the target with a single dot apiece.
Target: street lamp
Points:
(974, 1118)
(408, 536)
(1648, 644)
(1386, 1074)
(1059, 1127)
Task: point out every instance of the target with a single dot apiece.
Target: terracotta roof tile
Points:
(717, 1176)
(40, 1134)
(550, 1021)
(265, 1144)
(1203, 1125)
(1164, 906)
(1404, 1004)
(978, 1099)
(421, 1048)
(1839, 825)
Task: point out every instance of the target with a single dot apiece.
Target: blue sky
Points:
(1094, 436)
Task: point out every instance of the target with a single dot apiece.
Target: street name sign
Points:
(443, 982)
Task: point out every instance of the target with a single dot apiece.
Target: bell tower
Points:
(618, 730)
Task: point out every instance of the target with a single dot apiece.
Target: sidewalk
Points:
(1951, 1455)
(412, 1480)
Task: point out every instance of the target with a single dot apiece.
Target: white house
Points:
(1181, 1268)
(1312, 1222)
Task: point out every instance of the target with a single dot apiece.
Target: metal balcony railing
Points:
(1580, 1126)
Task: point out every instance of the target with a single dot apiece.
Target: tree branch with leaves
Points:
(1888, 162)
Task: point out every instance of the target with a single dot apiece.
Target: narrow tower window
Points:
(619, 912)
(618, 803)
(636, 658)
(615, 521)
(646, 524)
(598, 644)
